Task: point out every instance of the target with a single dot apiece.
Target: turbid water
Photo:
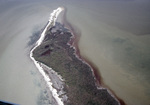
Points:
(20, 81)
(114, 36)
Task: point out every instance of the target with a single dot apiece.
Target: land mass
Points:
(80, 85)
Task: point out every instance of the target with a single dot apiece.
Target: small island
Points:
(79, 86)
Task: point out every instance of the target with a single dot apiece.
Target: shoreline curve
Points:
(74, 42)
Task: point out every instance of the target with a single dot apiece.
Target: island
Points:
(70, 78)
(57, 53)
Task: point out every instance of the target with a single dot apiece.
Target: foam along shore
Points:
(51, 22)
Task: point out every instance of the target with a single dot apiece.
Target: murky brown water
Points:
(114, 36)
(19, 81)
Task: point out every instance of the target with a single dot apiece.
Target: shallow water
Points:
(19, 78)
(114, 36)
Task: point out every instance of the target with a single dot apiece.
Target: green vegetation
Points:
(79, 82)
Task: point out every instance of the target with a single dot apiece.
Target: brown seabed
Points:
(74, 42)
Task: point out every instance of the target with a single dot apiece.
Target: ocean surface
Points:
(115, 37)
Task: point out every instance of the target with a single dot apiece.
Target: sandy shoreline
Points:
(42, 68)
(112, 36)
(55, 81)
